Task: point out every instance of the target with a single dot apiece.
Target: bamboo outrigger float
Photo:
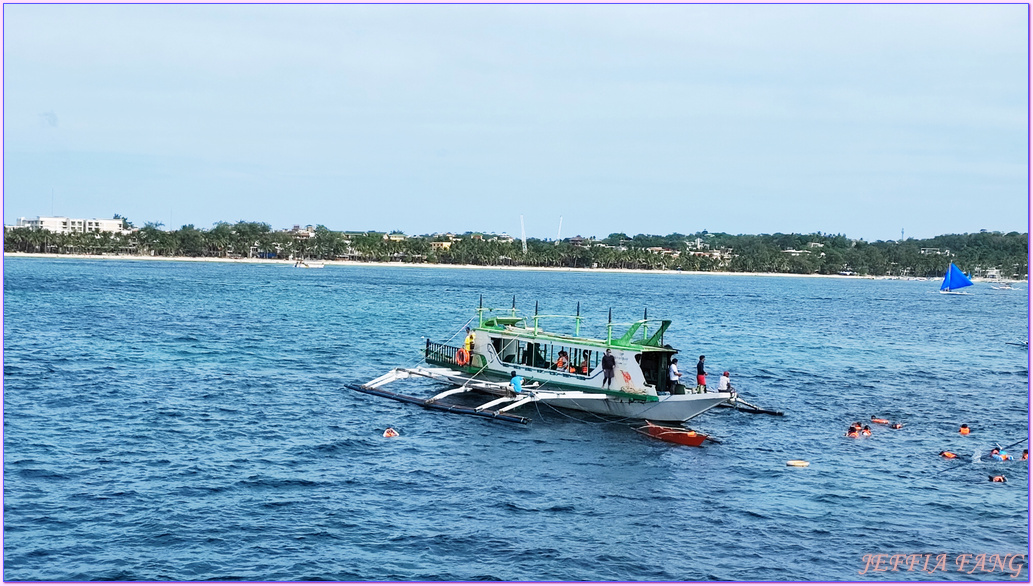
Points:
(559, 370)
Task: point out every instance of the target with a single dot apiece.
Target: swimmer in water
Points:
(964, 429)
(997, 478)
(1025, 455)
(853, 432)
(896, 426)
(867, 431)
(390, 432)
(948, 455)
(880, 421)
(999, 455)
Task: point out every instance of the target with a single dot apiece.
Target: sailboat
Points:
(954, 280)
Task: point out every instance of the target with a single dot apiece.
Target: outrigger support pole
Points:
(426, 403)
(609, 327)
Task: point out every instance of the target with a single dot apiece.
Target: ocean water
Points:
(188, 421)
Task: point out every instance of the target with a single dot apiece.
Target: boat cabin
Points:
(503, 344)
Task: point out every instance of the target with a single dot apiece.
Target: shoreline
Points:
(353, 263)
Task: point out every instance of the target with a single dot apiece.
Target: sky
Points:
(862, 120)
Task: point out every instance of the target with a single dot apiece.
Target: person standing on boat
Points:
(673, 376)
(468, 344)
(609, 362)
(701, 374)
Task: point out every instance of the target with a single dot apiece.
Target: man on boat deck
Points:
(609, 362)
(724, 384)
(516, 381)
(468, 343)
(701, 374)
(673, 376)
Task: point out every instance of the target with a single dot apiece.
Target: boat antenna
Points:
(536, 308)
(480, 302)
(609, 326)
(513, 311)
(577, 320)
(645, 326)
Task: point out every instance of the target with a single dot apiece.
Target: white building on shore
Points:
(62, 225)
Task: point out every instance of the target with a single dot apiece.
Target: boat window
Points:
(508, 350)
(582, 360)
(497, 343)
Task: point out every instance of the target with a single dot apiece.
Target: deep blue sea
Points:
(189, 421)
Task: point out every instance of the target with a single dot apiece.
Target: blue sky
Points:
(861, 120)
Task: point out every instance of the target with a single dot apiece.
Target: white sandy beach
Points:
(349, 263)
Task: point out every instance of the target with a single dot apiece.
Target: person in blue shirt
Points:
(516, 381)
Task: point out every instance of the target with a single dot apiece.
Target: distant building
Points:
(441, 245)
(63, 225)
(697, 245)
(298, 232)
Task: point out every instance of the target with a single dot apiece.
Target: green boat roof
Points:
(518, 326)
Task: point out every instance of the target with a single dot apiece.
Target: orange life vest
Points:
(949, 455)
(851, 434)
(882, 421)
(997, 479)
(561, 364)
(866, 432)
(964, 430)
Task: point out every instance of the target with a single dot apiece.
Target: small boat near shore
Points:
(564, 371)
(307, 264)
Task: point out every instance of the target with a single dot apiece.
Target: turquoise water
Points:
(188, 421)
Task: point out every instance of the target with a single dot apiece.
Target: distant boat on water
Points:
(954, 280)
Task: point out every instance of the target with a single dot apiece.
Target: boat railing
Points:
(440, 352)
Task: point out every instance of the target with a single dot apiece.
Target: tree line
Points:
(815, 253)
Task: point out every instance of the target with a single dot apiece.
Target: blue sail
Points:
(954, 279)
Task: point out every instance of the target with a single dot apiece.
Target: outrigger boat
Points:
(559, 370)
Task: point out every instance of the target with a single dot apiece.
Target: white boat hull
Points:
(677, 408)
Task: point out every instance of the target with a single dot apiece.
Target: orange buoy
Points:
(462, 357)
(390, 432)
